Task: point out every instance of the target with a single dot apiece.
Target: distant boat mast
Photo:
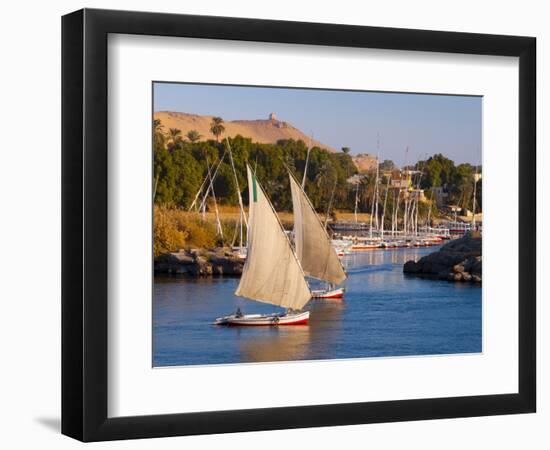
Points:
(307, 160)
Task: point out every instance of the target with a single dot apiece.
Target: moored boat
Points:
(328, 293)
(314, 248)
(365, 245)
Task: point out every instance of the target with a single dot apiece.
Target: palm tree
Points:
(193, 135)
(174, 135)
(158, 132)
(216, 127)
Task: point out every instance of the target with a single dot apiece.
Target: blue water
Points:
(384, 313)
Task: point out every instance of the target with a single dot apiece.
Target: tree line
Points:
(182, 163)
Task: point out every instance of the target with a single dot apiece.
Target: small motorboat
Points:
(360, 246)
(277, 319)
(328, 293)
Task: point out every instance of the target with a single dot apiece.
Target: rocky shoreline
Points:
(458, 260)
(199, 263)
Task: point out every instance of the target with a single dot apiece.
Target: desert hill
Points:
(365, 162)
(267, 131)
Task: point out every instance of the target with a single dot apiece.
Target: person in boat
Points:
(238, 313)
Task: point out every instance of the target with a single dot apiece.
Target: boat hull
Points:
(364, 247)
(255, 320)
(334, 293)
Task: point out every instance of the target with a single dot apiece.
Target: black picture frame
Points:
(84, 224)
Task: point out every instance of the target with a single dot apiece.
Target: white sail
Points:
(272, 273)
(313, 247)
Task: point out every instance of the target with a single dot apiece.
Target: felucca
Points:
(272, 272)
(314, 248)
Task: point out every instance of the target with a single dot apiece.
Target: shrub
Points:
(168, 236)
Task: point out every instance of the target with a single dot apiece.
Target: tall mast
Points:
(330, 202)
(430, 209)
(219, 224)
(406, 197)
(236, 182)
(307, 160)
(356, 200)
(155, 186)
(474, 202)
(384, 209)
(377, 176)
(371, 214)
(417, 196)
(204, 182)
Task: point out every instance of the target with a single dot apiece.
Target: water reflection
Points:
(294, 342)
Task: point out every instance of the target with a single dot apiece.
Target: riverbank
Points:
(458, 260)
(199, 263)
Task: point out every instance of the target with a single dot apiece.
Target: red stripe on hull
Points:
(336, 296)
(299, 322)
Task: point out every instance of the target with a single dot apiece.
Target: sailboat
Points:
(313, 245)
(272, 272)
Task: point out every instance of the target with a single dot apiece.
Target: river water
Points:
(384, 313)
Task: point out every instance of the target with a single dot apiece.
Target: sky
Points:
(426, 124)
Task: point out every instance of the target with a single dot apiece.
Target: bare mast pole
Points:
(219, 224)
(474, 202)
(384, 209)
(307, 160)
(356, 200)
(242, 216)
(330, 202)
(204, 182)
(377, 225)
(429, 210)
(155, 187)
(406, 199)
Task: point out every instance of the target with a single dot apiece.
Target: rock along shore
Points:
(458, 260)
(199, 263)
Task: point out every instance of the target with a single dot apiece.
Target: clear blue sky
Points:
(427, 124)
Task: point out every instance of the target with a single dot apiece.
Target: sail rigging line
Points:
(330, 202)
(155, 186)
(377, 226)
(202, 206)
(204, 182)
(417, 200)
(307, 160)
(384, 209)
(372, 209)
(430, 208)
(219, 224)
(474, 202)
(236, 180)
(356, 200)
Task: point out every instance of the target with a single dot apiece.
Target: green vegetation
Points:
(458, 180)
(387, 164)
(182, 165)
(193, 136)
(217, 128)
(175, 229)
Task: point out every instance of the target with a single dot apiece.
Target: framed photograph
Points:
(273, 224)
